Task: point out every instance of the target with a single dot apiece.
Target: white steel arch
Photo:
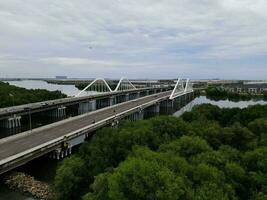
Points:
(124, 83)
(179, 88)
(92, 83)
(188, 86)
(120, 84)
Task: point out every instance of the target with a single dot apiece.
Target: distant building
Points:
(252, 88)
(61, 77)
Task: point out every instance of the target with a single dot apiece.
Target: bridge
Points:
(11, 117)
(58, 139)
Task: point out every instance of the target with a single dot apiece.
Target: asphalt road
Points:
(48, 133)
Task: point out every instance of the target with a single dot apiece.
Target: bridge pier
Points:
(136, 116)
(134, 95)
(112, 101)
(126, 97)
(167, 106)
(60, 153)
(87, 106)
(142, 94)
(59, 112)
(120, 99)
(102, 103)
(115, 123)
(152, 111)
(12, 122)
(177, 103)
(66, 148)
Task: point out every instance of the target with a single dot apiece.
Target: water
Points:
(220, 103)
(6, 194)
(69, 90)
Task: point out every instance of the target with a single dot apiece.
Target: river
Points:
(220, 103)
(44, 169)
(69, 90)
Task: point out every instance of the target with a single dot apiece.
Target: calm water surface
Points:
(69, 90)
(220, 103)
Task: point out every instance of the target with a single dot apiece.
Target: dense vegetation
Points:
(216, 93)
(10, 95)
(207, 154)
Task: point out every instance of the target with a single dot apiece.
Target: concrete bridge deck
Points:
(21, 148)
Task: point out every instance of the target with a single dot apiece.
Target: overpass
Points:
(57, 139)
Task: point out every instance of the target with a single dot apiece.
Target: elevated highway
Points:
(57, 139)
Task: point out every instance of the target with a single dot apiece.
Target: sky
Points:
(224, 39)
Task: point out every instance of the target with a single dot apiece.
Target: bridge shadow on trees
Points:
(208, 153)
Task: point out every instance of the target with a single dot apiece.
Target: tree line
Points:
(208, 153)
(12, 95)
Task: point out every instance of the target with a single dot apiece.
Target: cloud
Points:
(141, 38)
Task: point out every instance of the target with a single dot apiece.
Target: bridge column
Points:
(59, 112)
(12, 122)
(115, 123)
(88, 106)
(112, 101)
(170, 104)
(66, 147)
(152, 111)
(126, 97)
(136, 116)
(142, 94)
(191, 96)
(184, 100)
(102, 103)
(157, 109)
(141, 114)
(166, 106)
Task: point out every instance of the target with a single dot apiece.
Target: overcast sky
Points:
(134, 38)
